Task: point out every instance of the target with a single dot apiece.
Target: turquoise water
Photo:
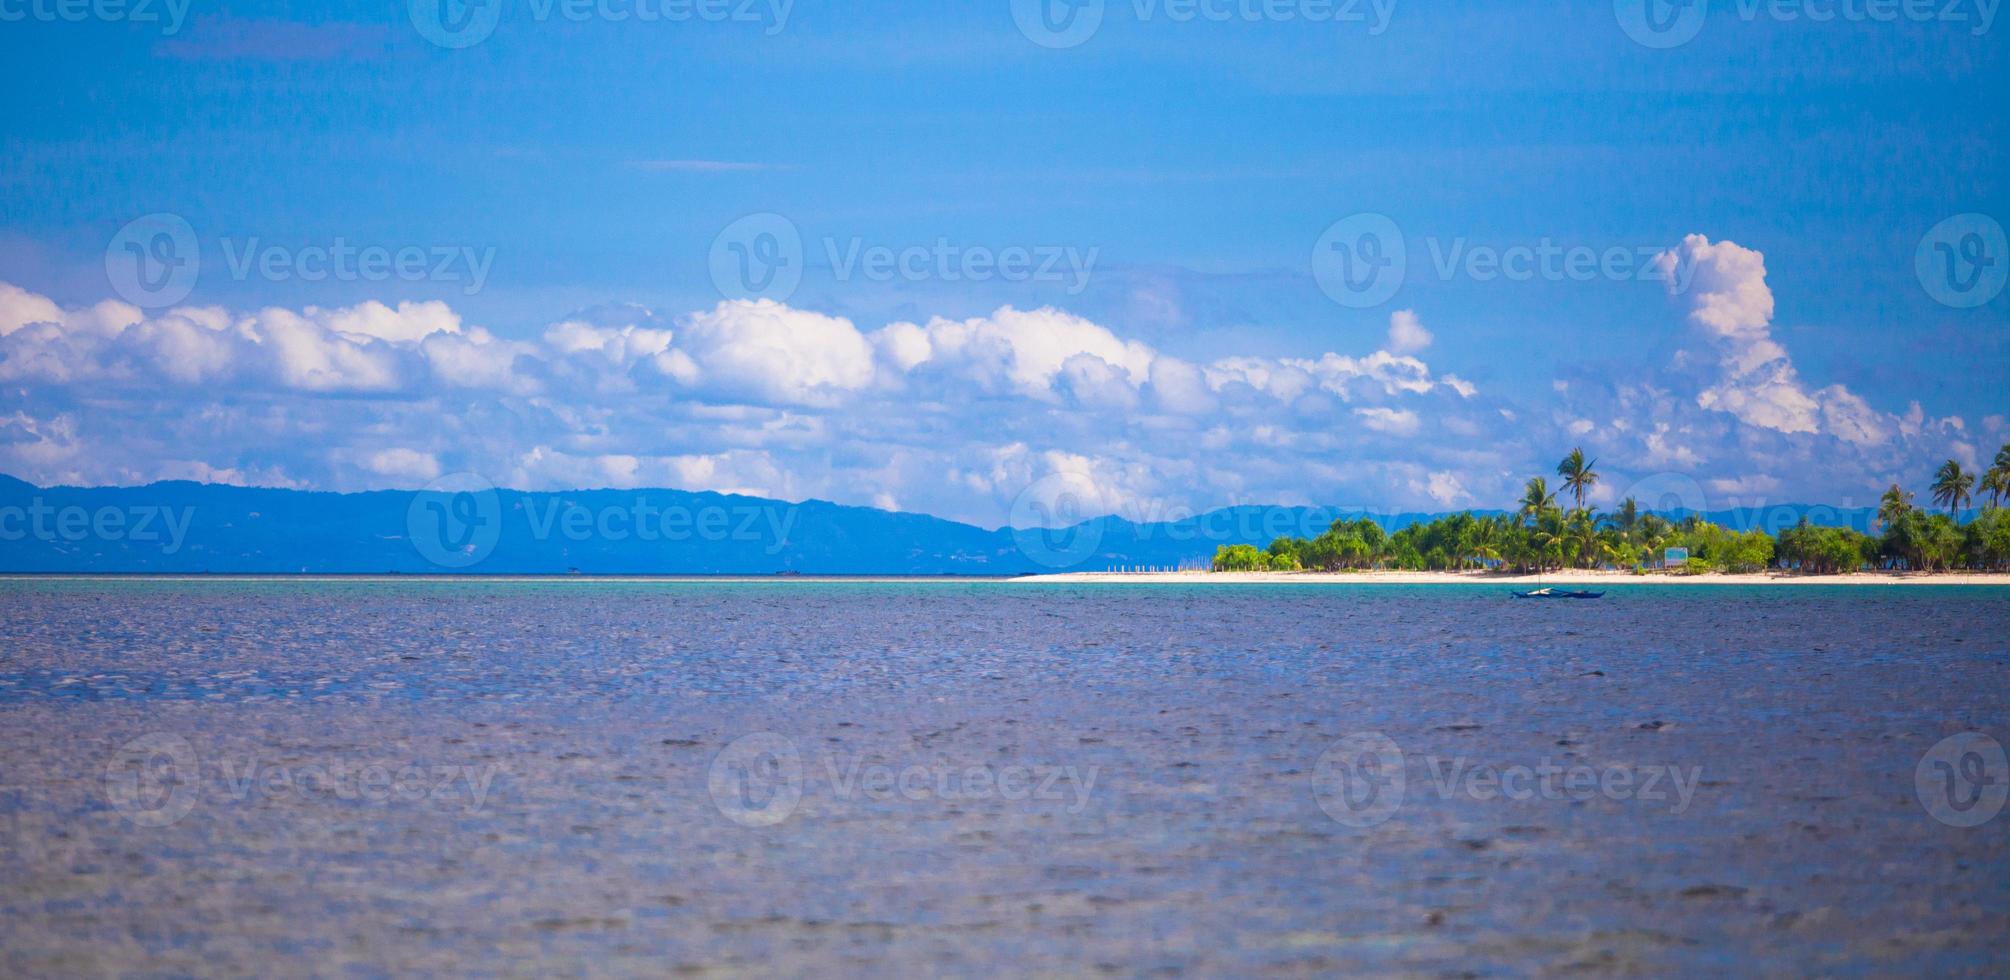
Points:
(952, 776)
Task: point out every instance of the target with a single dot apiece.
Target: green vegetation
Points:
(1541, 534)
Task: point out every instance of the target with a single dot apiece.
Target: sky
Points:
(983, 260)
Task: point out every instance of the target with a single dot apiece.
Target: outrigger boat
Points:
(1548, 593)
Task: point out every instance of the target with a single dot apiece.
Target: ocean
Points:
(376, 776)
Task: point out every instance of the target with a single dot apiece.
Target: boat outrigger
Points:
(1548, 593)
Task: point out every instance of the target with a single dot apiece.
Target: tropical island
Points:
(1542, 539)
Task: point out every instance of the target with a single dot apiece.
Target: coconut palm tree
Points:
(1626, 519)
(1536, 498)
(1996, 482)
(1893, 507)
(1485, 541)
(1951, 488)
(1581, 532)
(1578, 475)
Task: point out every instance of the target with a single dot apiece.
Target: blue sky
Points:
(566, 180)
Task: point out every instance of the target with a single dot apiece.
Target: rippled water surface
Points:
(239, 777)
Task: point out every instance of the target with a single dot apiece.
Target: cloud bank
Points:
(959, 418)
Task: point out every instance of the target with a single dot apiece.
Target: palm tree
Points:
(1577, 474)
(1996, 482)
(1893, 507)
(1485, 542)
(1536, 498)
(1582, 532)
(1626, 519)
(1951, 486)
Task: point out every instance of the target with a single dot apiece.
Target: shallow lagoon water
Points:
(369, 776)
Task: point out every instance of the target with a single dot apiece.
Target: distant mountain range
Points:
(181, 527)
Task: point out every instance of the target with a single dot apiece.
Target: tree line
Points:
(1542, 533)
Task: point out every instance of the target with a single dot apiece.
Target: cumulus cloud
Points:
(961, 417)
(770, 352)
(1406, 333)
(1394, 421)
(408, 465)
(1730, 301)
(1738, 414)
(951, 416)
(1022, 350)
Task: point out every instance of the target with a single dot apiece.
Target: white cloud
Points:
(1755, 483)
(1730, 301)
(1401, 422)
(770, 352)
(1406, 333)
(409, 322)
(19, 307)
(1446, 490)
(957, 417)
(410, 466)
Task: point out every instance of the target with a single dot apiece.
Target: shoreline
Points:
(1571, 577)
(1577, 576)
